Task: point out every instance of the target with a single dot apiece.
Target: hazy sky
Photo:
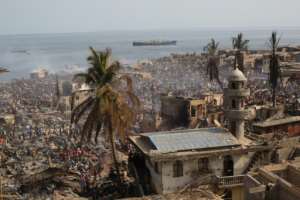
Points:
(45, 16)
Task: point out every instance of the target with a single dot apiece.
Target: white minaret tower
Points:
(234, 106)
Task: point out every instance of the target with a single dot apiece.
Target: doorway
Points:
(228, 166)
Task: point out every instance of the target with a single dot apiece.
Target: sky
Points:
(62, 16)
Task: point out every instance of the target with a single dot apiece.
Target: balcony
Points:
(244, 92)
(229, 181)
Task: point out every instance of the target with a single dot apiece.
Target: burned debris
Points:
(162, 128)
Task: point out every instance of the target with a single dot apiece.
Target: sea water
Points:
(21, 54)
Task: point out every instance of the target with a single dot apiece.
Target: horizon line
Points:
(215, 28)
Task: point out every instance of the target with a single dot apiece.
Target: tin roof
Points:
(193, 139)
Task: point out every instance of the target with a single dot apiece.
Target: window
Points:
(233, 86)
(193, 111)
(215, 102)
(242, 84)
(233, 103)
(156, 167)
(203, 164)
(178, 168)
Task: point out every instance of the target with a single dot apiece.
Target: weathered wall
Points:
(287, 145)
(253, 190)
(286, 191)
(191, 172)
(241, 162)
(164, 182)
(293, 175)
(238, 193)
(170, 183)
(156, 178)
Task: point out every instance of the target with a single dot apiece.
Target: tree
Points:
(112, 105)
(239, 45)
(274, 65)
(212, 64)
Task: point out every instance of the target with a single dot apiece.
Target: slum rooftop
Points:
(277, 122)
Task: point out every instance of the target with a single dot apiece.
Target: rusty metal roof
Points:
(193, 139)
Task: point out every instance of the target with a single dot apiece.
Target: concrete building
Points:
(276, 182)
(182, 112)
(167, 161)
(290, 125)
(174, 159)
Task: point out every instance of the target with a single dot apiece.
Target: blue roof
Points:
(193, 139)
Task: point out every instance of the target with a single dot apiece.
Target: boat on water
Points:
(155, 43)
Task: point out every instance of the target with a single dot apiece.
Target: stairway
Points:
(256, 157)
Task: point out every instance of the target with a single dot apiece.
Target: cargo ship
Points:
(155, 43)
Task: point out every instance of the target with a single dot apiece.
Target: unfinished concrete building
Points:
(290, 125)
(276, 182)
(181, 112)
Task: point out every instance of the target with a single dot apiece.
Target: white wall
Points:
(166, 183)
(190, 173)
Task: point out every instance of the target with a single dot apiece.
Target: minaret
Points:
(234, 106)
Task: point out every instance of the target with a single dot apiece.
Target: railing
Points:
(229, 181)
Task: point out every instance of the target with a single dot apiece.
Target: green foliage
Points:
(112, 106)
(212, 63)
(112, 101)
(239, 44)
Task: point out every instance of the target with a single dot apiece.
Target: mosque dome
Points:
(236, 75)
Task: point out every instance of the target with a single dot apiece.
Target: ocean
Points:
(21, 54)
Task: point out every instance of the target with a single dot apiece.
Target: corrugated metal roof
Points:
(183, 140)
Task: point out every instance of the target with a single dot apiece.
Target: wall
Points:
(293, 175)
(156, 178)
(164, 182)
(237, 193)
(190, 173)
(170, 183)
(253, 190)
(286, 145)
(174, 110)
(285, 191)
(241, 162)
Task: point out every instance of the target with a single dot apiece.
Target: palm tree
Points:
(112, 105)
(239, 45)
(274, 65)
(212, 64)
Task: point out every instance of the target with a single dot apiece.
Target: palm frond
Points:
(81, 109)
